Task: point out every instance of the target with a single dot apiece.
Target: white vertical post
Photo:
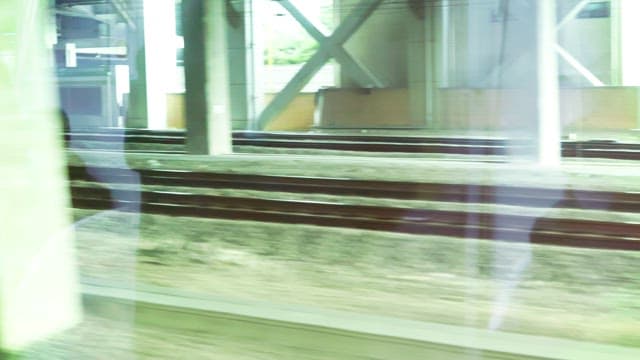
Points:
(548, 117)
(629, 30)
(38, 281)
(630, 53)
(70, 55)
(160, 57)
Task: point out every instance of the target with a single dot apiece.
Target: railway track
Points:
(459, 224)
(402, 190)
(368, 143)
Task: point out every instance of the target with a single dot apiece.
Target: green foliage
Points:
(294, 51)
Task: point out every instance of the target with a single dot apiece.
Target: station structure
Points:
(436, 65)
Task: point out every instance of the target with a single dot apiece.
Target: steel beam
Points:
(345, 30)
(293, 87)
(566, 56)
(120, 8)
(572, 14)
(357, 71)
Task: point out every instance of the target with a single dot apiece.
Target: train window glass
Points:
(404, 179)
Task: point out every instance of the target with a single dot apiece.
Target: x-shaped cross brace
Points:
(330, 47)
(564, 54)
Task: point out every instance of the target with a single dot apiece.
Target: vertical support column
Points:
(431, 64)
(548, 117)
(193, 29)
(238, 60)
(137, 104)
(615, 53)
(160, 57)
(444, 44)
(480, 43)
(70, 55)
(207, 77)
(254, 63)
(255, 58)
(629, 30)
(38, 281)
(338, 13)
(458, 44)
(418, 62)
(630, 53)
(217, 74)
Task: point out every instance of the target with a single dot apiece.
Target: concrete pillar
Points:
(422, 56)
(137, 105)
(432, 25)
(443, 45)
(418, 62)
(207, 77)
(442, 56)
(457, 72)
(238, 62)
(257, 73)
(38, 281)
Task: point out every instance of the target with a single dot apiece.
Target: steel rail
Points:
(370, 143)
(158, 136)
(127, 138)
(403, 190)
(244, 137)
(459, 224)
